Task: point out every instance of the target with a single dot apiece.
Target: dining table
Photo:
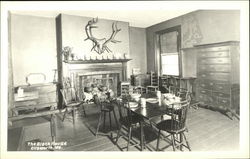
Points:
(153, 109)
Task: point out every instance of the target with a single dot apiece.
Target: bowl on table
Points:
(135, 97)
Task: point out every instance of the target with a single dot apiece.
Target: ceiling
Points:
(138, 13)
(141, 19)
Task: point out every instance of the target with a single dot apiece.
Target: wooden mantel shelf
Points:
(97, 61)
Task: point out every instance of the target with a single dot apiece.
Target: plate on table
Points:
(152, 100)
(133, 104)
(168, 95)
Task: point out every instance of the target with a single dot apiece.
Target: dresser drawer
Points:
(218, 48)
(222, 87)
(221, 94)
(47, 98)
(25, 103)
(214, 68)
(206, 84)
(214, 76)
(204, 91)
(213, 54)
(221, 60)
(223, 102)
(205, 99)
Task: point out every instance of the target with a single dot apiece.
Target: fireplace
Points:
(84, 73)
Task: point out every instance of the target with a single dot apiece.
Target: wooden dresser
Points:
(218, 76)
(35, 97)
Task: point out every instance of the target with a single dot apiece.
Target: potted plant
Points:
(67, 51)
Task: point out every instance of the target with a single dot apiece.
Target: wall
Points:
(137, 39)
(33, 47)
(74, 35)
(199, 27)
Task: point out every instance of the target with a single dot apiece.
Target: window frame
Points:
(158, 47)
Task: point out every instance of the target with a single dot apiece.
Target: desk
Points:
(35, 97)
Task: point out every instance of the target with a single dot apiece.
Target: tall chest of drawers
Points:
(218, 85)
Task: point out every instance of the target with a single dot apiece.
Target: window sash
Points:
(170, 63)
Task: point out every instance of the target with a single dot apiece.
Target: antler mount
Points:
(100, 45)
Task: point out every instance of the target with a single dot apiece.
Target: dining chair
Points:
(105, 107)
(154, 83)
(127, 121)
(138, 82)
(71, 101)
(175, 126)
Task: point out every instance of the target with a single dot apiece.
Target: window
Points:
(169, 43)
(170, 64)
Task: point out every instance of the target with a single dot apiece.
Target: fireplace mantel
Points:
(97, 61)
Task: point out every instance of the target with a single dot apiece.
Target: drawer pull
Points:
(220, 87)
(203, 85)
(211, 84)
(203, 91)
(203, 75)
(224, 101)
(220, 94)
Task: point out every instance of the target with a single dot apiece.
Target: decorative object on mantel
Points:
(100, 45)
(125, 56)
(67, 51)
(96, 61)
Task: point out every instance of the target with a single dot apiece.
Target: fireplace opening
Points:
(102, 85)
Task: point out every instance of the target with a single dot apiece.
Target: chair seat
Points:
(134, 120)
(170, 126)
(73, 104)
(152, 86)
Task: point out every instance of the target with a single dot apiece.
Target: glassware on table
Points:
(143, 102)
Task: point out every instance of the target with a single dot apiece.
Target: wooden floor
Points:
(207, 131)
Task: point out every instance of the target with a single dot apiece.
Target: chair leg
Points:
(118, 134)
(65, 114)
(84, 112)
(110, 123)
(99, 123)
(158, 140)
(181, 141)
(104, 122)
(73, 114)
(173, 141)
(186, 141)
(129, 137)
(117, 125)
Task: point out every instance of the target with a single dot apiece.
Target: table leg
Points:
(53, 131)
(142, 136)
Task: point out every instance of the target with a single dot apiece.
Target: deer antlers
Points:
(100, 45)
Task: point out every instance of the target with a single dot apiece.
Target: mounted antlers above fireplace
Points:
(100, 45)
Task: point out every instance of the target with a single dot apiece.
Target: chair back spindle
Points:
(179, 116)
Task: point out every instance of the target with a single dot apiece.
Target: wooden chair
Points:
(127, 121)
(71, 101)
(105, 107)
(138, 82)
(176, 126)
(154, 83)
